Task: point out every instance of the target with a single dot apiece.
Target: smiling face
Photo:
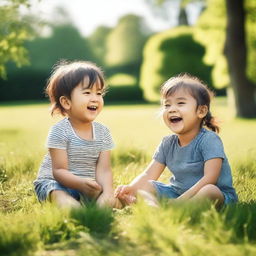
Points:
(181, 113)
(85, 103)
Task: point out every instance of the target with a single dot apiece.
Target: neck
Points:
(83, 129)
(186, 138)
(78, 125)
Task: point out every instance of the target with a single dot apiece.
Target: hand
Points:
(125, 194)
(90, 188)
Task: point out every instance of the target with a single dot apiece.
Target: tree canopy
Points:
(14, 30)
(126, 41)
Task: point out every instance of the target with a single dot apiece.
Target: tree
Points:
(162, 9)
(237, 33)
(97, 41)
(64, 43)
(125, 43)
(28, 82)
(236, 53)
(14, 30)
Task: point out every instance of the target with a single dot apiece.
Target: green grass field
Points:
(28, 228)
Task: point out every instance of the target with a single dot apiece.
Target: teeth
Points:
(92, 107)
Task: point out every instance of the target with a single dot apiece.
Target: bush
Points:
(124, 93)
(167, 54)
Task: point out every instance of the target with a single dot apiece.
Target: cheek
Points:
(165, 116)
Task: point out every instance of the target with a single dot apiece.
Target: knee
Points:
(210, 191)
(63, 200)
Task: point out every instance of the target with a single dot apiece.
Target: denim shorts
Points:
(168, 191)
(164, 190)
(44, 187)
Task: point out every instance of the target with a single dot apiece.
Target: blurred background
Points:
(138, 43)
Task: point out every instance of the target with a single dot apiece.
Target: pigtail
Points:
(210, 122)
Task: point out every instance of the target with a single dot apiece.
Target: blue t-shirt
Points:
(187, 163)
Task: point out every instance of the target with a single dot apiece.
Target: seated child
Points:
(193, 154)
(77, 166)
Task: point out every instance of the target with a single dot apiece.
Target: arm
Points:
(212, 170)
(152, 172)
(105, 178)
(63, 176)
(104, 173)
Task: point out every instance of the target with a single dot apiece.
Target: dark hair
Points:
(68, 75)
(198, 90)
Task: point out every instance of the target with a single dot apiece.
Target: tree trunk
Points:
(236, 54)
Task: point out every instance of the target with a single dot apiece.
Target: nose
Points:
(172, 109)
(94, 97)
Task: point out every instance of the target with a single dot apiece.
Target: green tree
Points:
(14, 30)
(167, 54)
(230, 43)
(228, 33)
(125, 44)
(97, 41)
(64, 43)
(161, 8)
(28, 82)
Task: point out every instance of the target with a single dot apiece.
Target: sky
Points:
(89, 14)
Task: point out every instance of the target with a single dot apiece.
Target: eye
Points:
(99, 93)
(167, 105)
(87, 92)
(181, 103)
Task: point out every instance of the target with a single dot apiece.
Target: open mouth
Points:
(175, 119)
(92, 108)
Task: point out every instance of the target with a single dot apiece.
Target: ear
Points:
(202, 111)
(65, 102)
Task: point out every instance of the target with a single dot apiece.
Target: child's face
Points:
(181, 113)
(86, 103)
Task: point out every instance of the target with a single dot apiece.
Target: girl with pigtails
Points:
(194, 153)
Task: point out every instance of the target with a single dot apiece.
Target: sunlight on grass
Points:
(121, 79)
(27, 227)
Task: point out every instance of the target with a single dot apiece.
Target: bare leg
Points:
(148, 193)
(211, 192)
(63, 199)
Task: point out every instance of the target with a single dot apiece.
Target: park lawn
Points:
(28, 228)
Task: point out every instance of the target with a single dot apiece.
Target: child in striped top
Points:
(77, 167)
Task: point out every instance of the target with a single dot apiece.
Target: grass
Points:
(28, 228)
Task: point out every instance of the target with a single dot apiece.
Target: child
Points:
(194, 155)
(77, 165)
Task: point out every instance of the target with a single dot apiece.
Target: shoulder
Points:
(100, 127)
(209, 136)
(61, 127)
(209, 140)
(101, 131)
(169, 140)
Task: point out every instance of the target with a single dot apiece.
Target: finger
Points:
(129, 199)
(117, 191)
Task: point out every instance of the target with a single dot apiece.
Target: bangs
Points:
(89, 77)
(169, 89)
